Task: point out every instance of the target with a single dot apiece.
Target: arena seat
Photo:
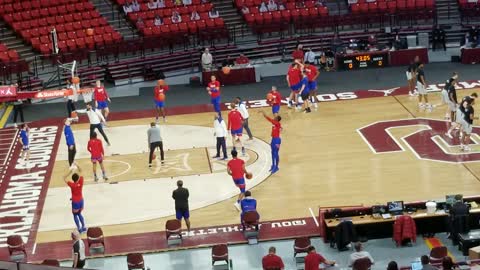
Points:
(251, 220)
(362, 264)
(220, 254)
(95, 239)
(51, 262)
(173, 231)
(135, 261)
(437, 254)
(16, 248)
(301, 245)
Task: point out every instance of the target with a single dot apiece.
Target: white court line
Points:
(34, 248)
(313, 216)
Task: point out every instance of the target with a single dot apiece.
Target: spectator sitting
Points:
(140, 24)
(313, 260)
(474, 33)
(319, 3)
(127, 8)
(207, 59)
(135, 6)
(300, 4)
(263, 7)
(465, 41)
(245, 10)
(447, 263)
(242, 60)
(272, 261)
(426, 263)
(372, 41)
(195, 16)
(187, 2)
(228, 62)
(160, 3)
(158, 21)
(248, 204)
(152, 4)
(281, 7)
(272, 6)
(204, 1)
(392, 265)
(176, 17)
(359, 254)
(213, 13)
(177, 2)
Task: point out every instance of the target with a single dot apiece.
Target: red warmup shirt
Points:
(294, 75)
(101, 94)
(95, 148)
(235, 120)
(236, 166)
(311, 71)
(298, 54)
(276, 127)
(313, 261)
(76, 188)
(160, 90)
(277, 98)
(216, 85)
(241, 60)
(272, 261)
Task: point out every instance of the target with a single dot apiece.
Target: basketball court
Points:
(349, 152)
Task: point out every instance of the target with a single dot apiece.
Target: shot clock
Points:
(361, 61)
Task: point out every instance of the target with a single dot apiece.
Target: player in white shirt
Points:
(242, 108)
(96, 119)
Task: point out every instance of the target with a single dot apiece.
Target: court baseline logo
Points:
(427, 142)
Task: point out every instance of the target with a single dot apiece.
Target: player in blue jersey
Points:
(305, 93)
(248, 204)
(25, 141)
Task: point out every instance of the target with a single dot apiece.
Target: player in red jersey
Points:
(236, 168)
(159, 96)
(235, 126)
(213, 89)
(276, 140)
(101, 98)
(95, 147)
(276, 100)
(294, 81)
(312, 75)
(76, 186)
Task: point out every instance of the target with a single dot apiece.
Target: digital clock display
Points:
(359, 61)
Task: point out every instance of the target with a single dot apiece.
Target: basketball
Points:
(161, 82)
(269, 96)
(161, 97)
(75, 80)
(249, 175)
(74, 115)
(89, 32)
(226, 70)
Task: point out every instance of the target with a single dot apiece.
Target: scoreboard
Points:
(362, 60)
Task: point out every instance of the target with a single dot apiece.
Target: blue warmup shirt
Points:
(248, 204)
(24, 136)
(69, 135)
(304, 81)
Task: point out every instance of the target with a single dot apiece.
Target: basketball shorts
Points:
(237, 132)
(409, 75)
(296, 87)
(305, 95)
(182, 213)
(97, 159)
(458, 116)
(444, 95)
(240, 183)
(159, 104)
(452, 106)
(26, 147)
(275, 108)
(312, 85)
(102, 105)
(77, 205)
(467, 127)
(421, 89)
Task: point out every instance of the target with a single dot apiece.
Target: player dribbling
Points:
(236, 168)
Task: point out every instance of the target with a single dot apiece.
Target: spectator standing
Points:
(220, 132)
(272, 6)
(474, 34)
(180, 195)
(309, 56)
(154, 141)
(438, 38)
(18, 110)
(426, 263)
(359, 254)
(242, 108)
(263, 7)
(313, 260)
(127, 8)
(207, 60)
(272, 261)
(78, 250)
(135, 6)
(158, 21)
(213, 13)
(195, 16)
(298, 53)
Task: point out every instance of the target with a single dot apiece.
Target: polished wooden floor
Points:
(324, 162)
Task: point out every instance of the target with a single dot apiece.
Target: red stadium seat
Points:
(135, 261)
(173, 227)
(95, 238)
(301, 245)
(51, 262)
(80, 44)
(62, 36)
(16, 245)
(219, 253)
(437, 254)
